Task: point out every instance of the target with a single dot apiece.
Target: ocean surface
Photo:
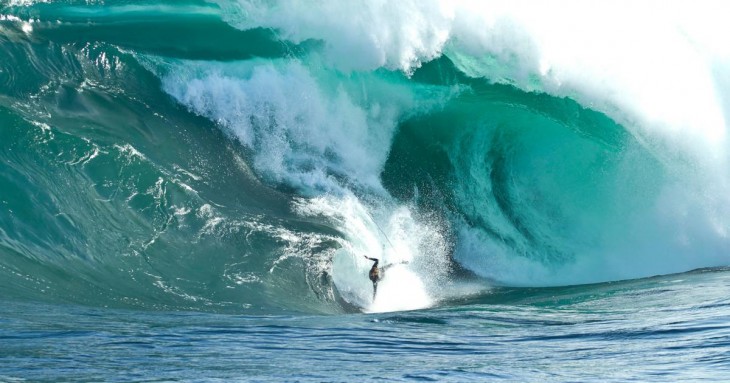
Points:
(187, 190)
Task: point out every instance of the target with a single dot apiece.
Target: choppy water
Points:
(187, 189)
(673, 328)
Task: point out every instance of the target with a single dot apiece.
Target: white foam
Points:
(651, 66)
(401, 289)
(641, 64)
(302, 134)
(26, 3)
(359, 35)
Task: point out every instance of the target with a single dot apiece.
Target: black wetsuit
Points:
(374, 275)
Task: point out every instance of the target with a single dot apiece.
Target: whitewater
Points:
(195, 184)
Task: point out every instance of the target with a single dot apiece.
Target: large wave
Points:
(531, 144)
(540, 197)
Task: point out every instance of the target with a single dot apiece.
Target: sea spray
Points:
(413, 253)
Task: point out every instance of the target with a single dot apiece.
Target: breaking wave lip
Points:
(623, 72)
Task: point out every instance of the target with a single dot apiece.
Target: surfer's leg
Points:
(375, 289)
(386, 267)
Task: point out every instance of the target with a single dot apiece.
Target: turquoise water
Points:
(187, 190)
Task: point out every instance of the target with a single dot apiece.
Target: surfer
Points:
(376, 273)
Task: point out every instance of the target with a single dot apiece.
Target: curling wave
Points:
(243, 155)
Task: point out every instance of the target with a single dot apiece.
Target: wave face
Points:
(244, 155)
